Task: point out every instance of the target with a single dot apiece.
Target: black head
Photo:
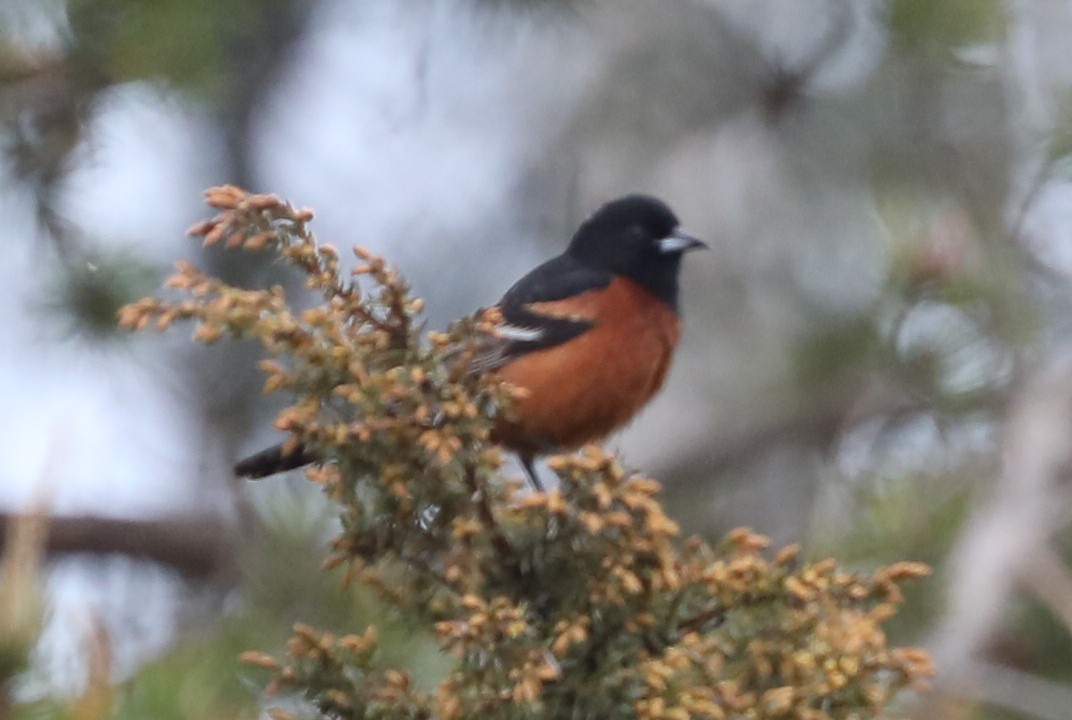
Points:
(639, 237)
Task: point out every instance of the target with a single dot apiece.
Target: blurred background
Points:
(875, 360)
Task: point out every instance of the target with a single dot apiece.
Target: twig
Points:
(698, 621)
(1047, 576)
(498, 538)
(422, 566)
(197, 547)
(1014, 524)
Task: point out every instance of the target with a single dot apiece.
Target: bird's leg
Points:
(530, 471)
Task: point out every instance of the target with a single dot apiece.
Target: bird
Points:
(587, 337)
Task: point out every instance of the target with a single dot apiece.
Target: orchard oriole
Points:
(587, 336)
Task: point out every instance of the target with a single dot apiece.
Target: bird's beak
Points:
(680, 241)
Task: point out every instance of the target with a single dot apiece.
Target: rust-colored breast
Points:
(584, 389)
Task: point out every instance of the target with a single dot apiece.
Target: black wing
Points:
(525, 330)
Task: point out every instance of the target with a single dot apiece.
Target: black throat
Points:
(655, 272)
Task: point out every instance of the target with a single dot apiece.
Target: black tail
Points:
(272, 461)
